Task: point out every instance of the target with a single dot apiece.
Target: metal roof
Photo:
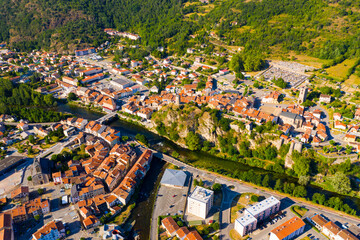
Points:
(174, 177)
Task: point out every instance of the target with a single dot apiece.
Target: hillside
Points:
(327, 29)
(46, 24)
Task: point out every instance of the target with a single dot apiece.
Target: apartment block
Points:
(264, 209)
(256, 213)
(245, 224)
(200, 202)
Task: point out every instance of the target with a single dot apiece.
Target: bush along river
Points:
(198, 159)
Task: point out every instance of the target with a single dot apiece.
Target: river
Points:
(201, 159)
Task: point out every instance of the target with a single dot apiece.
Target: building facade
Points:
(264, 209)
(200, 202)
(256, 213)
(245, 224)
(288, 230)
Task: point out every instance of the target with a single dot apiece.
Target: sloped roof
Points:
(174, 177)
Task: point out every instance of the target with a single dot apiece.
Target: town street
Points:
(241, 187)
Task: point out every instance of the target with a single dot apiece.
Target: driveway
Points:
(225, 216)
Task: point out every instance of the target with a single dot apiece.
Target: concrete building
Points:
(264, 209)
(245, 224)
(200, 202)
(288, 230)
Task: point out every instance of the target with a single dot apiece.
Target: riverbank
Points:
(254, 187)
(88, 107)
(142, 213)
(204, 160)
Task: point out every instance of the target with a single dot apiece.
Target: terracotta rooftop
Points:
(332, 227)
(170, 225)
(287, 228)
(318, 219)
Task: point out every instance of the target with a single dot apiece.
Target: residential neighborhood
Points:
(86, 175)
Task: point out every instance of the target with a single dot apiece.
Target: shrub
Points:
(254, 198)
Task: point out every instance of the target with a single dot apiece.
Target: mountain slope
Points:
(321, 28)
(41, 23)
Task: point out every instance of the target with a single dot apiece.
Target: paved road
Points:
(57, 148)
(226, 225)
(242, 187)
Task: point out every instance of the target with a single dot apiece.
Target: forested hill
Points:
(323, 28)
(59, 23)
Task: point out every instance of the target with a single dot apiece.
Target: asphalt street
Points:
(241, 187)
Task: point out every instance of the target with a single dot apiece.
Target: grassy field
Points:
(340, 70)
(240, 202)
(299, 210)
(353, 80)
(234, 235)
(234, 210)
(309, 61)
(303, 59)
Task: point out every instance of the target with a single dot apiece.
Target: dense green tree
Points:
(225, 124)
(301, 164)
(319, 198)
(141, 138)
(193, 141)
(20, 100)
(289, 188)
(266, 181)
(216, 187)
(279, 186)
(40, 191)
(236, 64)
(254, 198)
(304, 180)
(300, 191)
(71, 97)
(32, 139)
(341, 183)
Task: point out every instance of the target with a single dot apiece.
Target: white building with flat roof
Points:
(264, 209)
(122, 83)
(245, 224)
(200, 202)
(254, 214)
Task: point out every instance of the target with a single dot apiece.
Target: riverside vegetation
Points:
(207, 130)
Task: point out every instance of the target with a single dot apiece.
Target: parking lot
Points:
(264, 229)
(171, 201)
